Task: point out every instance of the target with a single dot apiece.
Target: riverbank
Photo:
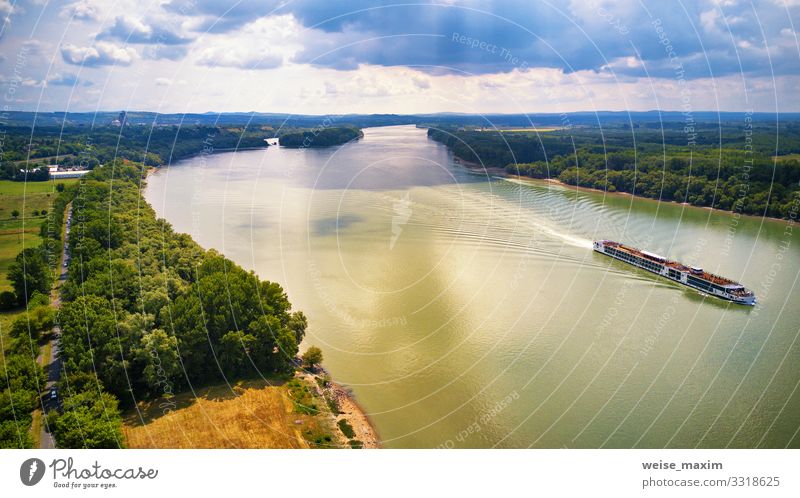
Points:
(344, 407)
(502, 173)
(335, 395)
(559, 183)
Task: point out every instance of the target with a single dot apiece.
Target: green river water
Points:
(470, 311)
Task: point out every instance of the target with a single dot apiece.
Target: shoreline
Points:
(344, 398)
(348, 407)
(501, 172)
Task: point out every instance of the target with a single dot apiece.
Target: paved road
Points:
(54, 363)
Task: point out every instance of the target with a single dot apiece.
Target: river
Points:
(470, 311)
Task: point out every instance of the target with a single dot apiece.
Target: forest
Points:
(87, 147)
(751, 171)
(322, 137)
(145, 313)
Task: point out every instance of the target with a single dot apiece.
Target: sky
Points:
(346, 56)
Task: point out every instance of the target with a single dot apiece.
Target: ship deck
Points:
(716, 279)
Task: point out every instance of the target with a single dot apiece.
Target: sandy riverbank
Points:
(349, 410)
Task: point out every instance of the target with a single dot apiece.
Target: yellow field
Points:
(255, 415)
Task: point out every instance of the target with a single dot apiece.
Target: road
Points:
(54, 363)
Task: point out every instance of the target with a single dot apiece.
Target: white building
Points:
(60, 175)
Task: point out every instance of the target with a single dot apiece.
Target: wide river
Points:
(470, 311)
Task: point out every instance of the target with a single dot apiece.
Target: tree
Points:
(312, 356)
(15, 214)
(44, 212)
(32, 323)
(36, 212)
(60, 187)
(298, 323)
(159, 352)
(29, 272)
(88, 420)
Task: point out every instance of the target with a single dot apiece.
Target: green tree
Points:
(60, 187)
(88, 420)
(298, 324)
(29, 273)
(159, 352)
(312, 357)
(15, 214)
(33, 322)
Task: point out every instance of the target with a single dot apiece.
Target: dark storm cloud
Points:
(696, 39)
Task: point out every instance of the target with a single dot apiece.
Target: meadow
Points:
(28, 199)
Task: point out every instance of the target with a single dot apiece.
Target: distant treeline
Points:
(726, 167)
(87, 147)
(323, 137)
(147, 312)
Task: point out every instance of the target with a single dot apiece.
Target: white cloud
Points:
(263, 44)
(241, 58)
(84, 10)
(101, 54)
(7, 9)
(421, 82)
(66, 79)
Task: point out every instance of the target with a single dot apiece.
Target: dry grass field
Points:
(255, 414)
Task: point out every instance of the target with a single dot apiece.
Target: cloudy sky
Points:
(342, 56)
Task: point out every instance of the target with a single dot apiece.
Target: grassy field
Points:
(23, 231)
(256, 414)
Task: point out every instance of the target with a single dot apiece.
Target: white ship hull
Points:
(695, 278)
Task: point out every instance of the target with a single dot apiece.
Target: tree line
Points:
(147, 312)
(23, 378)
(323, 137)
(27, 152)
(651, 163)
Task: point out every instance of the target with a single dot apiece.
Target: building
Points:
(60, 175)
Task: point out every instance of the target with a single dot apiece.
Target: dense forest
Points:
(323, 137)
(87, 147)
(146, 312)
(23, 378)
(728, 167)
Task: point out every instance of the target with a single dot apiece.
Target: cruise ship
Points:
(694, 277)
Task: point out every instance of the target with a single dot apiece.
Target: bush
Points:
(346, 429)
(8, 300)
(355, 444)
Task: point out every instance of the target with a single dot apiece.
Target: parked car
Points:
(53, 394)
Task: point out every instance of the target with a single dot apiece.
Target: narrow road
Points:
(54, 363)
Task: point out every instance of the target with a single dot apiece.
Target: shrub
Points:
(346, 429)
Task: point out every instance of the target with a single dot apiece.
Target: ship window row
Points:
(703, 284)
(644, 263)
